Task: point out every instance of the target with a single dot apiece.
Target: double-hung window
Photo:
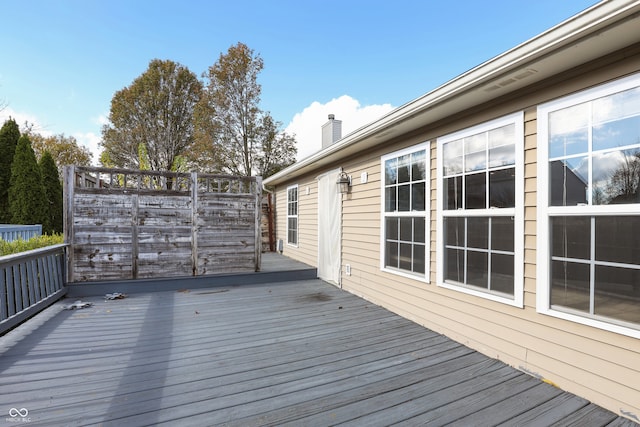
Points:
(405, 212)
(480, 210)
(589, 207)
(292, 215)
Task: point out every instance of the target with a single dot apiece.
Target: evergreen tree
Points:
(52, 191)
(27, 203)
(9, 135)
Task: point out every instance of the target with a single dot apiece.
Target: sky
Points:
(63, 60)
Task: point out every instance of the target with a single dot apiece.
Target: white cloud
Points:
(307, 125)
(90, 140)
(21, 119)
(101, 120)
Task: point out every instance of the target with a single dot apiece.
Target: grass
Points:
(8, 248)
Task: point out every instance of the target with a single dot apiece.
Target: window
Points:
(480, 210)
(292, 215)
(405, 211)
(589, 207)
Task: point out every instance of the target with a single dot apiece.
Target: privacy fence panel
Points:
(124, 224)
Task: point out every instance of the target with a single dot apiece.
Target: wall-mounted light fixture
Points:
(343, 182)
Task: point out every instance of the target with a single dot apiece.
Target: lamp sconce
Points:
(344, 183)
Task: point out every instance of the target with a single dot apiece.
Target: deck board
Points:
(294, 353)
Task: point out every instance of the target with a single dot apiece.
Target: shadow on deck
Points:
(295, 352)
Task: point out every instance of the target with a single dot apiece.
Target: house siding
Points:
(596, 364)
(306, 250)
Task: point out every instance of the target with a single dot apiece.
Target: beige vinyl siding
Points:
(307, 248)
(598, 365)
(530, 201)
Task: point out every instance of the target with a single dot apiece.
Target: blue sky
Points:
(62, 60)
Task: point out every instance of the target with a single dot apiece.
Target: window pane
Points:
(406, 229)
(571, 237)
(617, 134)
(403, 168)
(617, 293)
(454, 262)
(391, 172)
(292, 232)
(478, 233)
(618, 239)
(502, 150)
(475, 152)
(419, 258)
(502, 156)
(391, 256)
(405, 256)
(502, 276)
(452, 157)
(616, 175)
(476, 191)
(570, 285)
(502, 233)
(404, 197)
(568, 131)
(454, 231)
(418, 166)
(617, 106)
(502, 188)
(419, 230)
(391, 229)
(568, 181)
(453, 193)
(390, 199)
(477, 268)
(418, 196)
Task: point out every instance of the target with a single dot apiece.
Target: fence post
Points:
(258, 230)
(68, 195)
(134, 235)
(194, 222)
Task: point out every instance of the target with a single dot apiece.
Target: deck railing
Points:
(10, 232)
(29, 282)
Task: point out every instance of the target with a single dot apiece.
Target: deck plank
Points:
(294, 353)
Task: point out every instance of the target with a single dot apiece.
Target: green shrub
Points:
(8, 248)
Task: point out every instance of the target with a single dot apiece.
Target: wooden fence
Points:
(29, 282)
(11, 232)
(125, 224)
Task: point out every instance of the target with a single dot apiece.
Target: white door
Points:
(329, 211)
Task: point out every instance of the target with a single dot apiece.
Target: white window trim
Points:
(296, 216)
(544, 211)
(517, 212)
(427, 213)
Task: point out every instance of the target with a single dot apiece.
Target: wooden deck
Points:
(295, 353)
